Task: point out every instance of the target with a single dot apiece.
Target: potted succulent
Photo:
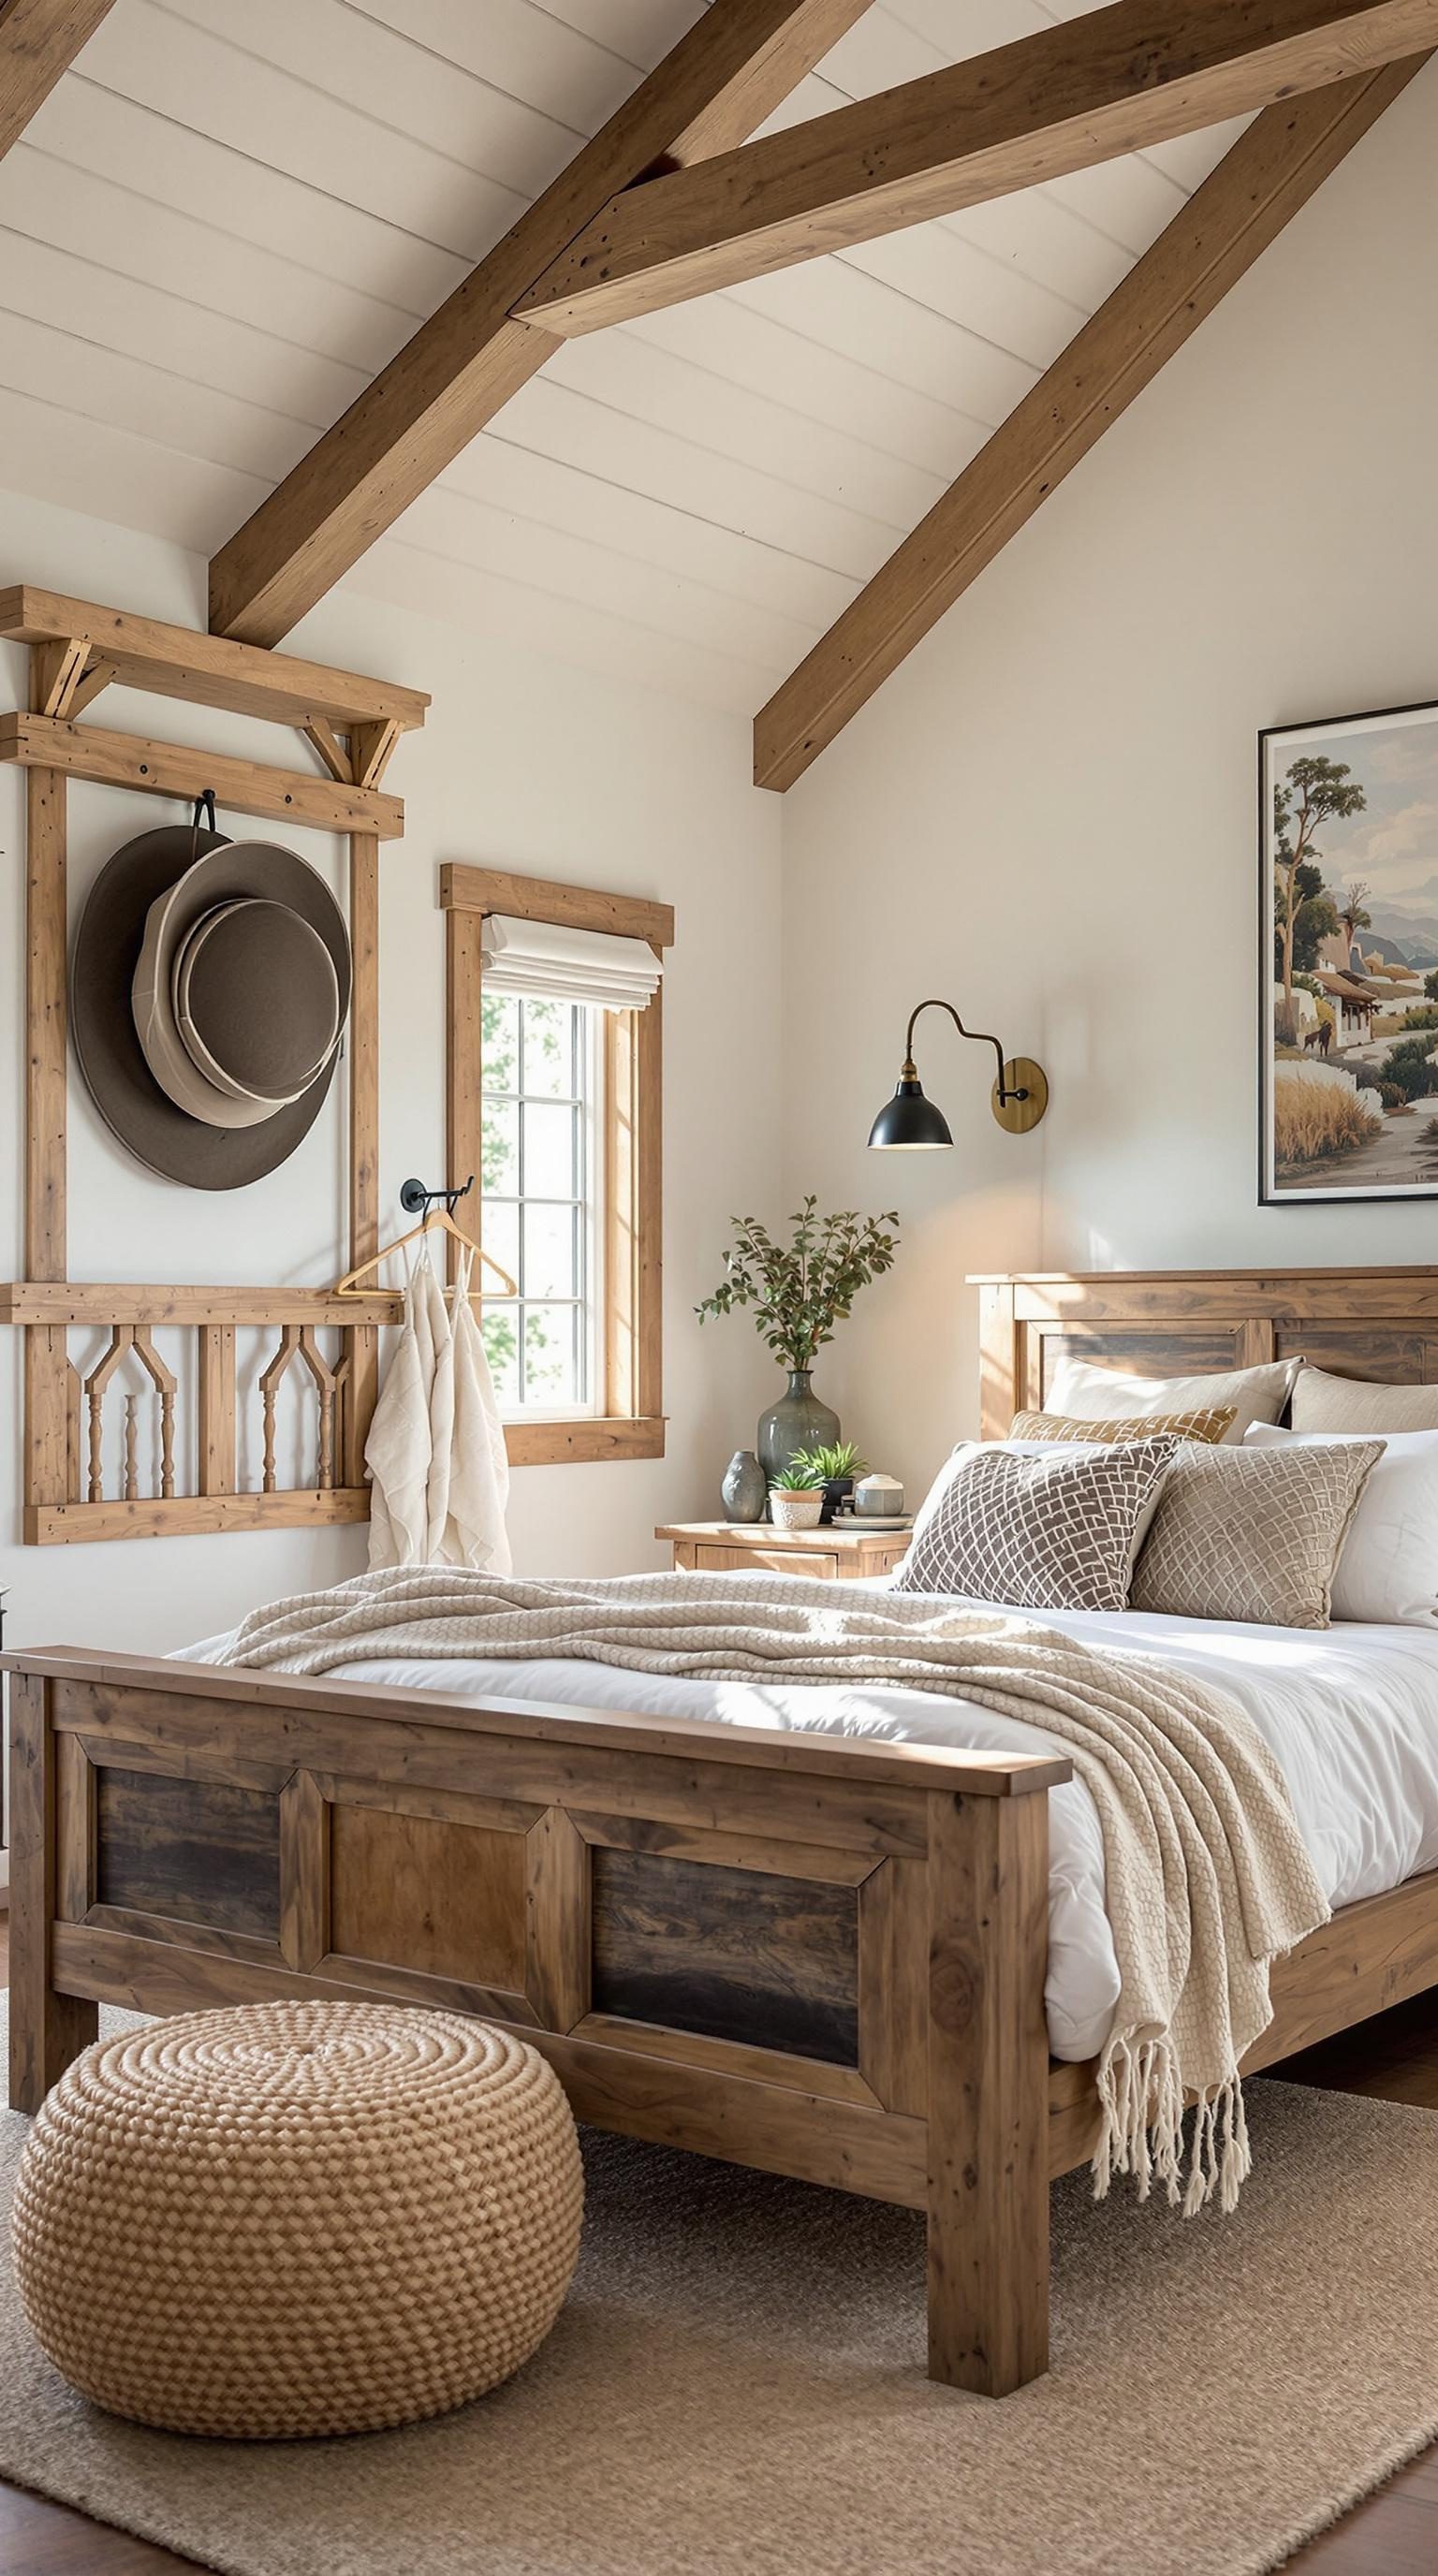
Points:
(795, 1501)
(833, 1464)
(799, 1291)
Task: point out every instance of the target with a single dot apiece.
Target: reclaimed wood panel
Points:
(47, 2028)
(444, 1899)
(729, 1953)
(1387, 1353)
(202, 1851)
(1143, 1350)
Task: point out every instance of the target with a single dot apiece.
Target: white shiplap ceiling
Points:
(224, 221)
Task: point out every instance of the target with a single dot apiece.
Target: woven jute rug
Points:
(736, 2389)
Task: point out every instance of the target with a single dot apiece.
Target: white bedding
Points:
(1351, 1713)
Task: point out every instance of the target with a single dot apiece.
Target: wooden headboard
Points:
(1175, 1323)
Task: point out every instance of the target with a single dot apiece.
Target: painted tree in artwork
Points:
(1314, 793)
(1353, 912)
(1314, 920)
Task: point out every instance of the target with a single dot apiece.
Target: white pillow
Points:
(1388, 1569)
(1358, 1404)
(1104, 1395)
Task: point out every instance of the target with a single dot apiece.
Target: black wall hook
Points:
(414, 1197)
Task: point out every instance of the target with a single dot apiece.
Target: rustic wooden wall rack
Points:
(352, 724)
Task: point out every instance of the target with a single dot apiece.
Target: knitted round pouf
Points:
(298, 2218)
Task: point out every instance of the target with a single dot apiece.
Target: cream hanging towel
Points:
(473, 1532)
(436, 1452)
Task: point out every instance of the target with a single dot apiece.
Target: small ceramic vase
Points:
(744, 1491)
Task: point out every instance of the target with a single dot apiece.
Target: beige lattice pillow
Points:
(1038, 1529)
(1210, 1424)
(1252, 1534)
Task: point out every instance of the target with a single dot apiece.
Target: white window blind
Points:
(584, 966)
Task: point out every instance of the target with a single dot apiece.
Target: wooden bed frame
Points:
(820, 1956)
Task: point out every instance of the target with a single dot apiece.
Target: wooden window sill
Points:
(587, 1436)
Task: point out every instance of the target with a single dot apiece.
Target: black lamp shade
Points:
(909, 1123)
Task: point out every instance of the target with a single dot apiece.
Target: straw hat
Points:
(210, 986)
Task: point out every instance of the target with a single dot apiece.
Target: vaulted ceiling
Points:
(223, 222)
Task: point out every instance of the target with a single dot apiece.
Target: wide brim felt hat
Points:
(210, 984)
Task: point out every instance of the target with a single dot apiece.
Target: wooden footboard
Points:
(817, 1955)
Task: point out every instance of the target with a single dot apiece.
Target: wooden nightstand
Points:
(840, 1551)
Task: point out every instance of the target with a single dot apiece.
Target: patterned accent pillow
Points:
(1253, 1534)
(1211, 1423)
(1038, 1529)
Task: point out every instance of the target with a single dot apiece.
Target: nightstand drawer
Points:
(815, 1562)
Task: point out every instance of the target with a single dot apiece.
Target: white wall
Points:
(524, 762)
(1049, 813)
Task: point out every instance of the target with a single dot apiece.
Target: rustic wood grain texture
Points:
(364, 1048)
(842, 1551)
(631, 1424)
(894, 1985)
(46, 1023)
(171, 769)
(201, 1851)
(207, 670)
(464, 1061)
(1113, 80)
(988, 2101)
(557, 1920)
(39, 40)
(761, 1851)
(573, 907)
(445, 1899)
(732, 1954)
(75, 1834)
(304, 1871)
(215, 1388)
(56, 671)
(1263, 181)
(720, 82)
(194, 1515)
(47, 2028)
(757, 2065)
(127, 1301)
(1379, 1323)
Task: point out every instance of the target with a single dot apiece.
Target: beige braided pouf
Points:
(298, 2218)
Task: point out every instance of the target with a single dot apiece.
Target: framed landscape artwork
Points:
(1349, 972)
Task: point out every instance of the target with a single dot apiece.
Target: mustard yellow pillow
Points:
(1208, 1424)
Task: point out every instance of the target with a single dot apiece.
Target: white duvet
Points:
(1351, 1713)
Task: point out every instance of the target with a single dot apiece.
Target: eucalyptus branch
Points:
(801, 1290)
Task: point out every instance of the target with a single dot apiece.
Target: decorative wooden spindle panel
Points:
(187, 1477)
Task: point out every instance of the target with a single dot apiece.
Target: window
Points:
(541, 1176)
(555, 1104)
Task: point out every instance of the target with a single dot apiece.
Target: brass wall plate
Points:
(1021, 1074)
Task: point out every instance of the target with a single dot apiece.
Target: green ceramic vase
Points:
(798, 1421)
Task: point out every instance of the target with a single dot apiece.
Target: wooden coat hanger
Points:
(414, 1195)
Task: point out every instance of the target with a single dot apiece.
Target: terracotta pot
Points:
(796, 1511)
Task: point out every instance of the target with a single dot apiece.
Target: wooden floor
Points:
(1395, 2533)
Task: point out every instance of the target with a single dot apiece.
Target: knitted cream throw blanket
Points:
(1207, 1877)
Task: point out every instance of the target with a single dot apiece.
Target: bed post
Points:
(47, 2030)
(988, 2090)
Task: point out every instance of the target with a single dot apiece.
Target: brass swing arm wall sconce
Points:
(911, 1124)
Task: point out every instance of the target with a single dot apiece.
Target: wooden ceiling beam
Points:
(39, 40)
(1114, 80)
(721, 80)
(1271, 172)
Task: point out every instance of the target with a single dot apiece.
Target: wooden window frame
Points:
(631, 1422)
